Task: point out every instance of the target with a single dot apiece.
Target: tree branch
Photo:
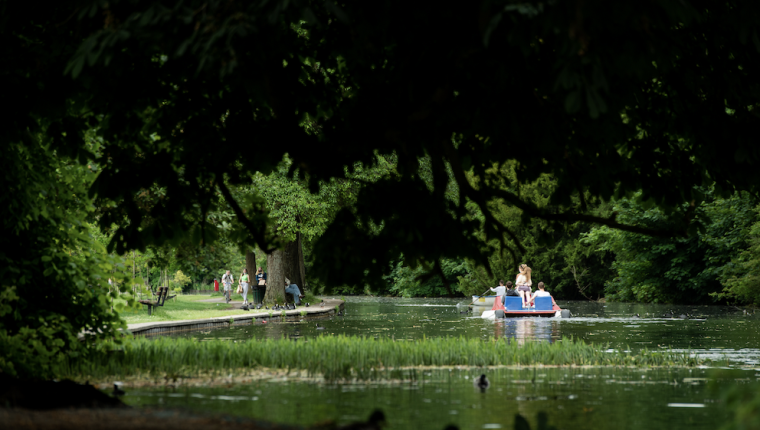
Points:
(467, 190)
(572, 217)
(257, 236)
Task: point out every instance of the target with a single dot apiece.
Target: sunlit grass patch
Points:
(184, 307)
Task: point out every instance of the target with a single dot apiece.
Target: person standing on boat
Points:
(501, 290)
(498, 302)
(524, 283)
(541, 292)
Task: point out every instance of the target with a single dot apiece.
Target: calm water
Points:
(588, 398)
(713, 331)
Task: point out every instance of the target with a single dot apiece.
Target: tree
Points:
(741, 277)
(53, 270)
(680, 270)
(587, 96)
(180, 280)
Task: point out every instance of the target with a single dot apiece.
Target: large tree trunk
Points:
(275, 277)
(281, 264)
(301, 265)
(250, 265)
(294, 270)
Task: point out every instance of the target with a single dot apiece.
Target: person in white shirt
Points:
(524, 283)
(227, 280)
(541, 292)
(501, 290)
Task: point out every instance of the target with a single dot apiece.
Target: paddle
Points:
(484, 292)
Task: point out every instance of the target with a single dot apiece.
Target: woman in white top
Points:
(523, 283)
(541, 292)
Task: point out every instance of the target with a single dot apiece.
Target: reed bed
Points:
(351, 357)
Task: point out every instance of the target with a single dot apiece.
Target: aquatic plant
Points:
(346, 357)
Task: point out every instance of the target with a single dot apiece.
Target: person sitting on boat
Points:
(541, 292)
(501, 290)
(523, 283)
(511, 291)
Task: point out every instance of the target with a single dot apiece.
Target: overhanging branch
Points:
(257, 236)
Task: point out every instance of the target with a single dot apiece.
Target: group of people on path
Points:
(261, 281)
(522, 288)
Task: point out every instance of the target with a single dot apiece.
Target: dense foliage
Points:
(54, 272)
(586, 96)
(682, 270)
(741, 277)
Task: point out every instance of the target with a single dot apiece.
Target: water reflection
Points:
(574, 398)
(523, 330)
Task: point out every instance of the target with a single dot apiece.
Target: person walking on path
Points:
(244, 283)
(227, 280)
(293, 289)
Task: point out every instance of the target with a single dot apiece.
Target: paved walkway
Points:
(316, 309)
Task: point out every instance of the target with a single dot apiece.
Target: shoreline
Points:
(166, 327)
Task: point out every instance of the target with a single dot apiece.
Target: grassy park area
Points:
(183, 307)
(189, 307)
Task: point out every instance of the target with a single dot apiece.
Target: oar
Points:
(484, 292)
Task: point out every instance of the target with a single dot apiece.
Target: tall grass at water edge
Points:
(348, 357)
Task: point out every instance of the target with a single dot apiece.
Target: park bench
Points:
(160, 299)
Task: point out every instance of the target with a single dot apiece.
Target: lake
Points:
(573, 398)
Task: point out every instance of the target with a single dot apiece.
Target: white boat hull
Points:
(483, 301)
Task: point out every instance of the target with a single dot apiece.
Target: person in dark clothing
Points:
(261, 277)
(511, 291)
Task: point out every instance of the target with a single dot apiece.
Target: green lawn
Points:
(183, 308)
(189, 307)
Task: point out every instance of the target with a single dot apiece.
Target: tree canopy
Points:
(187, 100)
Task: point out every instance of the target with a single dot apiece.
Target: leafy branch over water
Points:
(348, 357)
